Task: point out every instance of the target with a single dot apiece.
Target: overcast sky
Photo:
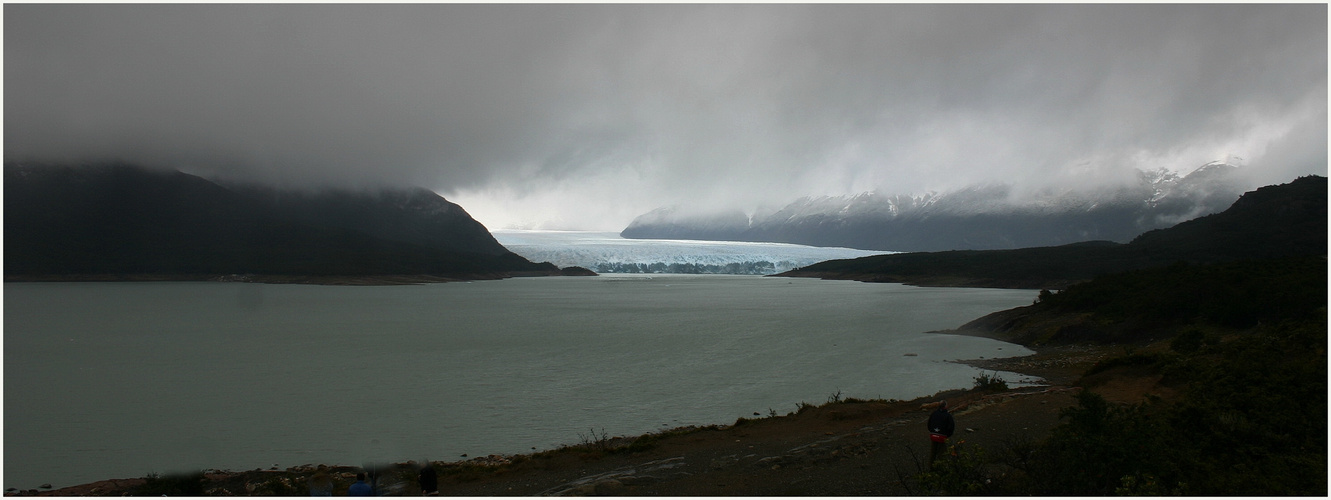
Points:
(584, 116)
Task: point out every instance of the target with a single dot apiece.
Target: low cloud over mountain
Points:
(991, 216)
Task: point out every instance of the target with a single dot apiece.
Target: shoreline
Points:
(292, 279)
(930, 281)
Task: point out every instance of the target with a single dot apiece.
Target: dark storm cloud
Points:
(595, 113)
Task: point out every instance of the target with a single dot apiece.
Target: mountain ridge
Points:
(1270, 222)
(119, 221)
(981, 217)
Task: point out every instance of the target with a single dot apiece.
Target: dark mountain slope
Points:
(122, 220)
(416, 216)
(1272, 222)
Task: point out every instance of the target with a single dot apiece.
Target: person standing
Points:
(941, 426)
(360, 488)
(428, 480)
(321, 484)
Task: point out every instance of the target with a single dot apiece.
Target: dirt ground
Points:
(851, 448)
(844, 449)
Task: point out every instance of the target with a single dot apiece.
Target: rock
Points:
(609, 487)
(723, 462)
(582, 491)
(46, 486)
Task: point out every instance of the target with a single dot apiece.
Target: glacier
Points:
(607, 252)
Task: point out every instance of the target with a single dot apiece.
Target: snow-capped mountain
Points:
(607, 252)
(979, 217)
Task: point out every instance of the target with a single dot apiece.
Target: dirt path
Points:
(844, 449)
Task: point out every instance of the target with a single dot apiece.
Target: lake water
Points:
(112, 380)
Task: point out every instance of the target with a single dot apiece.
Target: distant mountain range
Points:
(125, 222)
(976, 218)
(1273, 222)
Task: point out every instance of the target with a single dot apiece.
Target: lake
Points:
(115, 380)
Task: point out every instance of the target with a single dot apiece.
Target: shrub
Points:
(1187, 342)
(963, 470)
(595, 441)
(1044, 295)
(990, 383)
(835, 397)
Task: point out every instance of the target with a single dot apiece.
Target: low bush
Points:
(990, 383)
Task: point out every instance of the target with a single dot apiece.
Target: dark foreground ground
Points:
(838, 448)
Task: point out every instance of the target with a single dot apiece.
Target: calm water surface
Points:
(112, 380)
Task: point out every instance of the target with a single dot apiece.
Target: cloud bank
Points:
(584, 116)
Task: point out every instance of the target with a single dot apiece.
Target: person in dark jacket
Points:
(941, 426)
(360, 488)
(428, 480)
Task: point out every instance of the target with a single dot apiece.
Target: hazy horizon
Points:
(585, 116)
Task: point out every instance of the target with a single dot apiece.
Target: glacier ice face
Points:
(607, 252)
